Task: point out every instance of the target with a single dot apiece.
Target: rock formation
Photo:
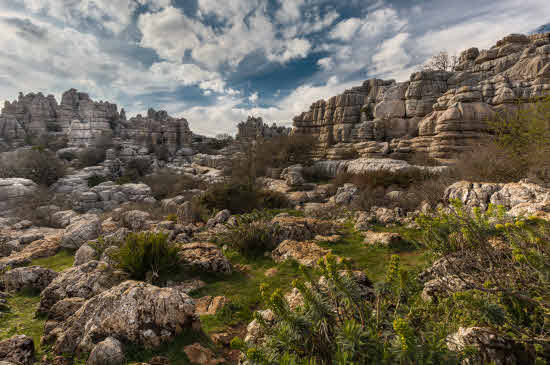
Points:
(438, 112)
(253, 128)
(82, 120)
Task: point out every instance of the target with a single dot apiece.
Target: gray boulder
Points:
(18, 349)
(84, 254)
(86, 228)
(33, 277)
(107, 352)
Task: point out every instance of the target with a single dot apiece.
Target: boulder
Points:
(65, 308)
(205, 257)
(346, 194)
(210, 305)
(136, 220)
(219, 218)
(84, 254)
(493, 348)
(86, 228)
(33, 277)
(382, 238)
(37, 249)
(305, 253)
(301, 229)
(18, 349)
(293, 175)
(197, 354)
(84, 281)
(13, 191)
(133, 312)
(107, 352)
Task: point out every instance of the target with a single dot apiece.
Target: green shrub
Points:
(252, 234)
(147, 253)
(95, 180)
(240, 198)
(166, 184)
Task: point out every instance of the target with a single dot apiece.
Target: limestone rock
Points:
(219, 218)
(136, 220)
(82, 281)
(107, 352)
(84, 254)
(205, 257)
(32, 277)
(254, 128)
(306, 253)
(18, 349)
(86, 228)
(133, 312)
(293, 175)
(12, 192)
(37, 249)
(210, 305)
(382, 238)
(301, 229)
(197, 354)
(65, 308)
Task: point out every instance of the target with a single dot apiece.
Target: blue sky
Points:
(215, 62)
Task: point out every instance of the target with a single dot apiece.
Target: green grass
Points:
(20, 320)
(59, 262)
(374, 259)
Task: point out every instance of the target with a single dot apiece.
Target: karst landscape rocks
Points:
(71, 253)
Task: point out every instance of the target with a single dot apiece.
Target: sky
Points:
(216, 62)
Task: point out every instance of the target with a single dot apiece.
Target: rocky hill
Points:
(438, 112)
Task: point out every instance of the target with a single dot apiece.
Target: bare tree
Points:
(441, 62)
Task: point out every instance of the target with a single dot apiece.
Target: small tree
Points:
(441, 62)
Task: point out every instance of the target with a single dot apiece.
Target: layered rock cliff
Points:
(253, 128)
(438, 112)
(82, 120)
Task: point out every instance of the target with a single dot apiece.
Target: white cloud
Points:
(345, 30)
(392, 58)
(253, 98)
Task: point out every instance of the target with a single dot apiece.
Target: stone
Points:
(492, 347)
(293, 176)
(254, 128)
(33, 277)
(346, 194)
(65, 308)
(220, 218)
(25, 239)
(86, 228)
(209, 305)
(305, 253)
(197, 354)
(133, 312)
(12, 192)
(136, 220)
(35, 250)
(84, 254)
(107, 352)
(301, 229)
(18, 349)
(382, 238)
(205, 257)
(63, 218)
(84, 281)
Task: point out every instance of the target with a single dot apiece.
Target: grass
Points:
(20, 320)
(374, 259)
(59, 262)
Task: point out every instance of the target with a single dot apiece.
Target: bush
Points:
(166, 184)
(37, 164)
(241, 198)
(136, 168)
(95, 180)
(252, 234)
(91, 156)
(147, 255)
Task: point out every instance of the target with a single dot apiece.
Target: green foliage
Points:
(240, 198)
(95, 180)
(58, 262)
(147, 253)
(339, 324)
(503, 261)
(252, 234)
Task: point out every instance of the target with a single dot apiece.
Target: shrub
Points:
(502, 260)
(136, 168)
(252, 234)
(37, 164)
(166, 184)
(339, 325)
(240, 198)
(95, 180)
(147, 254)
(91, 156)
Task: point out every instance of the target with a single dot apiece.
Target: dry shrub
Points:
(157, 211)
(37, 164)
(96, 153)
(167, 184)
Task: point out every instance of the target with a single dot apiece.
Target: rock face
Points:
(305, 253)
(254, 128)
(437, 112)
(133, 312)
(83, 120)
(33, 277)
(17, 349)
(87, 227)
(12, 191)
(205, 257)
(107, 352)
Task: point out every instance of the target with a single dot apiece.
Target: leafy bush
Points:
(37, 164)
(166, 184)
(147, 254)
(240, 198)
(252, 234)
(504, 261)
(339, 324)
(95, 180)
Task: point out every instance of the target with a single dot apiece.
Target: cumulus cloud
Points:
(346, 29)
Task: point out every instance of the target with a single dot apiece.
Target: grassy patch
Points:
(374, 259)
(20, 320)
(59, 262)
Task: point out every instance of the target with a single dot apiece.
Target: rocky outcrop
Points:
(12, 192)
(33, 277)
(158, 129)
(81, 230)
(205, 257)
(107, 352)
(82, 281)
(305, 253)
(436, 112)
(254, 128)
(369, 165)
(17, 349)
(132, 312)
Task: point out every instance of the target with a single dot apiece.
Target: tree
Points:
(441, 62)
